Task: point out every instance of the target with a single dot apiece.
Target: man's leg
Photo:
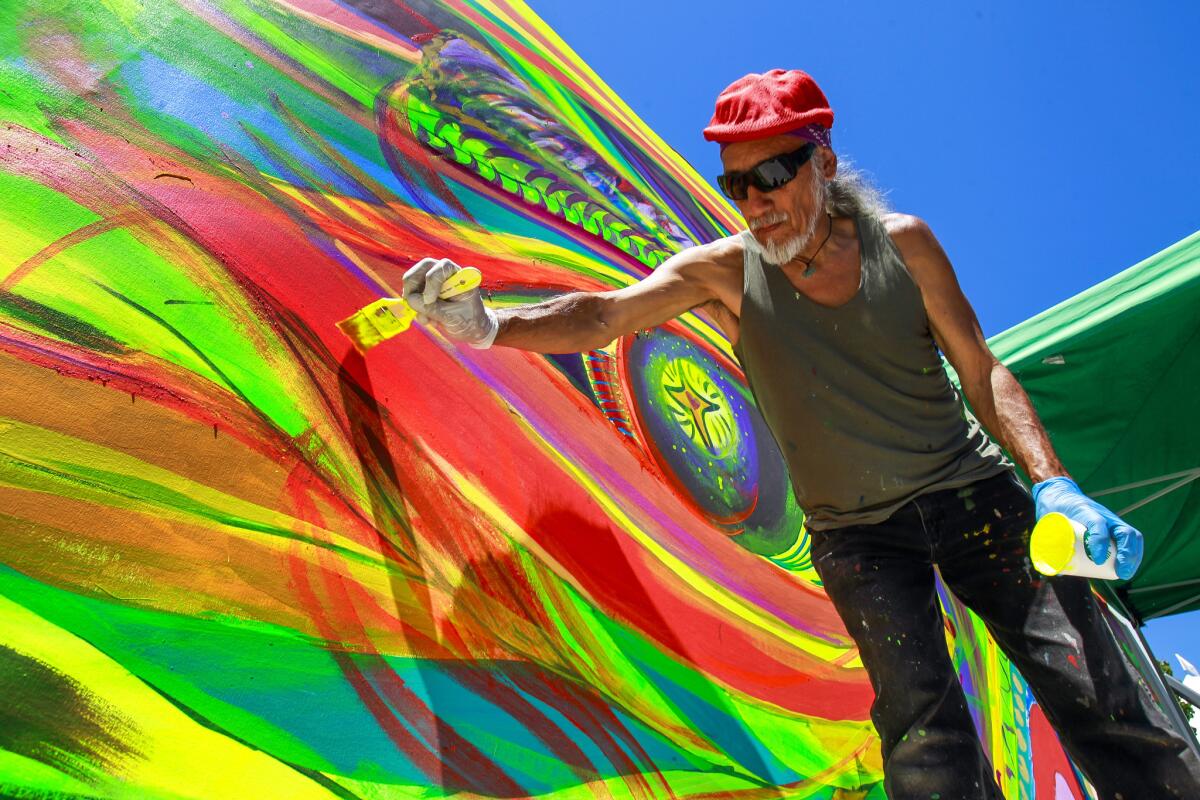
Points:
(881, 581)
(1054, 632)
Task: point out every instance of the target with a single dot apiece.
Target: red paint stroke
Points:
(482, 681)
(405, 742)
(599, 724)
(1049, 760)
(462, 757)
(459, 762)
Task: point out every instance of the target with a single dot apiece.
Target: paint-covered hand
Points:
(463, 317)
(1104, 528)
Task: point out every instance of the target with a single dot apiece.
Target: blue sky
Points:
(1048, 144)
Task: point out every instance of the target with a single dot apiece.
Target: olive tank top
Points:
(856, 395)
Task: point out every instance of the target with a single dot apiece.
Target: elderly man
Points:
(837, 311)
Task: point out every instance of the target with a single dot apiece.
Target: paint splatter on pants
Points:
(881, 580)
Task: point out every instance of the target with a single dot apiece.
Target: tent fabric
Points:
(1114, 373)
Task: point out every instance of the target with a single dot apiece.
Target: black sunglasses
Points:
(766, 176)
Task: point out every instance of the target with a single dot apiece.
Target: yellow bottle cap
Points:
(1052, 544)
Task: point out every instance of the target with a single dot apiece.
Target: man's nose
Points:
(757, 202)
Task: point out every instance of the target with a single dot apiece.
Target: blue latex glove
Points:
(1104, 528)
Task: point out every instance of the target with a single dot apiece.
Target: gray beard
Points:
(780, 253)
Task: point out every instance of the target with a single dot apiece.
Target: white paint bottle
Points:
(1056, 547)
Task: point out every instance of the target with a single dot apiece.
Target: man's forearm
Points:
(1005, 410)
(569, 323)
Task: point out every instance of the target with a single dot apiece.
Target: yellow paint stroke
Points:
(180, 757)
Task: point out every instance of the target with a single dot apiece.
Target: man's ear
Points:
(828, 162)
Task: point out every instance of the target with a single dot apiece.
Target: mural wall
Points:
(240, 560)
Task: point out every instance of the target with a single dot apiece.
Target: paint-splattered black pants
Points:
(881, 580)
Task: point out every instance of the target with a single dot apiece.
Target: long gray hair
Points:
(851, 193)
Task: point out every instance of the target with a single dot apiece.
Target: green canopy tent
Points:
(1115, 375)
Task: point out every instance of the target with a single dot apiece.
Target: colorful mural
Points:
(240, 560)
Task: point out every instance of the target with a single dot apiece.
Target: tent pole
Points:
(1161, 586)
(1183, 690)
(1172, 608)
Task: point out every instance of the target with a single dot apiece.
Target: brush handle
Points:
(462, 281)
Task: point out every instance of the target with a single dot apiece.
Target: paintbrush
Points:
(389, 316)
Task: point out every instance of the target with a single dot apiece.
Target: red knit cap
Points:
(758, 106)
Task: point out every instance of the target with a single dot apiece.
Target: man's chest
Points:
(831, 284)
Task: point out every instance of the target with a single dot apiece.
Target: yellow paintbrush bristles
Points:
(389, 316)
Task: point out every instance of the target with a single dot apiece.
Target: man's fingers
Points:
(417, 304)
(1129, 546)
(1097, 538)
(436, 277)
(423, 285)
(414, 277)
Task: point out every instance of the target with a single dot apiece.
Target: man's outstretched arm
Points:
(569, 323)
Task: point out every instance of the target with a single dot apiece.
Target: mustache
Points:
(754, 223)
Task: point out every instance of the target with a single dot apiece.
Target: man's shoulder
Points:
(911, 235)
(720, 256)
(904, 225)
